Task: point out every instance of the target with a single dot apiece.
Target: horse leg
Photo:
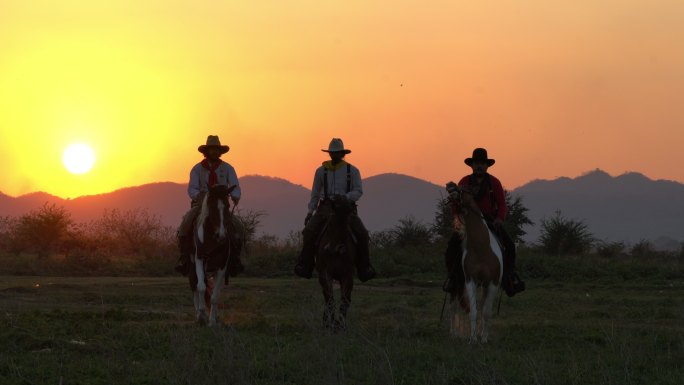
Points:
(216, 295)
(345, 301)
(487, 305)
(329, 307)
(471, 291)
(458, 308)
(452, 314)
(200, 305)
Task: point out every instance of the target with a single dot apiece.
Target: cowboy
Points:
(204, 175)
(491, 200)
(335, 177)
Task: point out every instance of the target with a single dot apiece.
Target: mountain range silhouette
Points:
(629, 207)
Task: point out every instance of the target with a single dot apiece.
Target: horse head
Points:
(342, 208)
(462, 196)
(215, 213)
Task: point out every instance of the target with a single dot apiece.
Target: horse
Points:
(335, 262)
(212, 251)
(482, 262)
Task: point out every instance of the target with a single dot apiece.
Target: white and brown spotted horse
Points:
(212, 251)
(482, 267)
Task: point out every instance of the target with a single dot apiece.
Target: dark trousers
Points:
(313, 229)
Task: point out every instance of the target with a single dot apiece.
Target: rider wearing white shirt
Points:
(204, 175)
(334, 178)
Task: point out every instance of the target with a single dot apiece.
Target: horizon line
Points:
(368, 177)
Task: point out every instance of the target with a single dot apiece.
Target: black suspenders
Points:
(325, 181)
(348, 177)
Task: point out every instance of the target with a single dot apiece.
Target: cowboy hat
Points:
(213, 141)
(479, 154)
(336, 145)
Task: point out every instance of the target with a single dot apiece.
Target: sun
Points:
(78, 158)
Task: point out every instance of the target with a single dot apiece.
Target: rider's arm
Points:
(316, 190)
(194, 184)
(356, 187)
(233, 181)
(500, 198)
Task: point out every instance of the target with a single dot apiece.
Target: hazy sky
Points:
(550, 88)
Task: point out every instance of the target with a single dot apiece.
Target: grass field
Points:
(63, 330)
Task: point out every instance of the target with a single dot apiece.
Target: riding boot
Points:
(305, 263)
(235, 265)
(185, 247)
(363, 267)
(452, 259)
(511, 282)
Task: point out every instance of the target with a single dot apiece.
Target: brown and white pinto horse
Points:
(482, 267)
(335, 261)
(212, 250)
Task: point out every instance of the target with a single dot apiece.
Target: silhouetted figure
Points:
(204, 175)
(334, 178)
(491, 200)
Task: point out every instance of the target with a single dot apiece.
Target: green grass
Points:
(118, 330)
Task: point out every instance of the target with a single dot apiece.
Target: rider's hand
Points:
(235, 200)
(308, 217)
(497, 222)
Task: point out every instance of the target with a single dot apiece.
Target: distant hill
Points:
(628, 207)
(390, 197)
(387, 198)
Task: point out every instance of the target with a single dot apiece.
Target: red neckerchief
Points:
(213, 178)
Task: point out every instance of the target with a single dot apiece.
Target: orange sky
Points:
(550, 88)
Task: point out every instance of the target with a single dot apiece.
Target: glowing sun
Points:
(78, 158)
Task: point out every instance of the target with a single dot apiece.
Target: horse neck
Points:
(339, 225)
(475, 227)
(205, 218)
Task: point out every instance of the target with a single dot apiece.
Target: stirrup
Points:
(366, 274)
(303, 271)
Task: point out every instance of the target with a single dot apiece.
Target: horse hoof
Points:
(202, 319)
(340, 325)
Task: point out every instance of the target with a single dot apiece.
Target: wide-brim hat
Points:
(336, 145)
(479, 154)
(213, 141)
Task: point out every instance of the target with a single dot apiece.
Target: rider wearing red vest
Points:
(490, 198)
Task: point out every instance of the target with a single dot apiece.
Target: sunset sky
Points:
(550, 88)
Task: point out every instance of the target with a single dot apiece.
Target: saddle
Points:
(325, 227)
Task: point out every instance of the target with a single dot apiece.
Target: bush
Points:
(562, 236)
(127, 233)
(610, 249)
(411, 232)
(268, 256)
(42, 231)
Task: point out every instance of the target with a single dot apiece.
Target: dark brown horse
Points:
(335, 262)
(482, 268)
(212, 251)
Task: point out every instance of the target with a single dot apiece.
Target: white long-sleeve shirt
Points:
(337, 183)
(199, 180)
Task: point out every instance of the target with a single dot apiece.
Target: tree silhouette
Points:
(562, 236)
(43, 230)
(516, 218)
